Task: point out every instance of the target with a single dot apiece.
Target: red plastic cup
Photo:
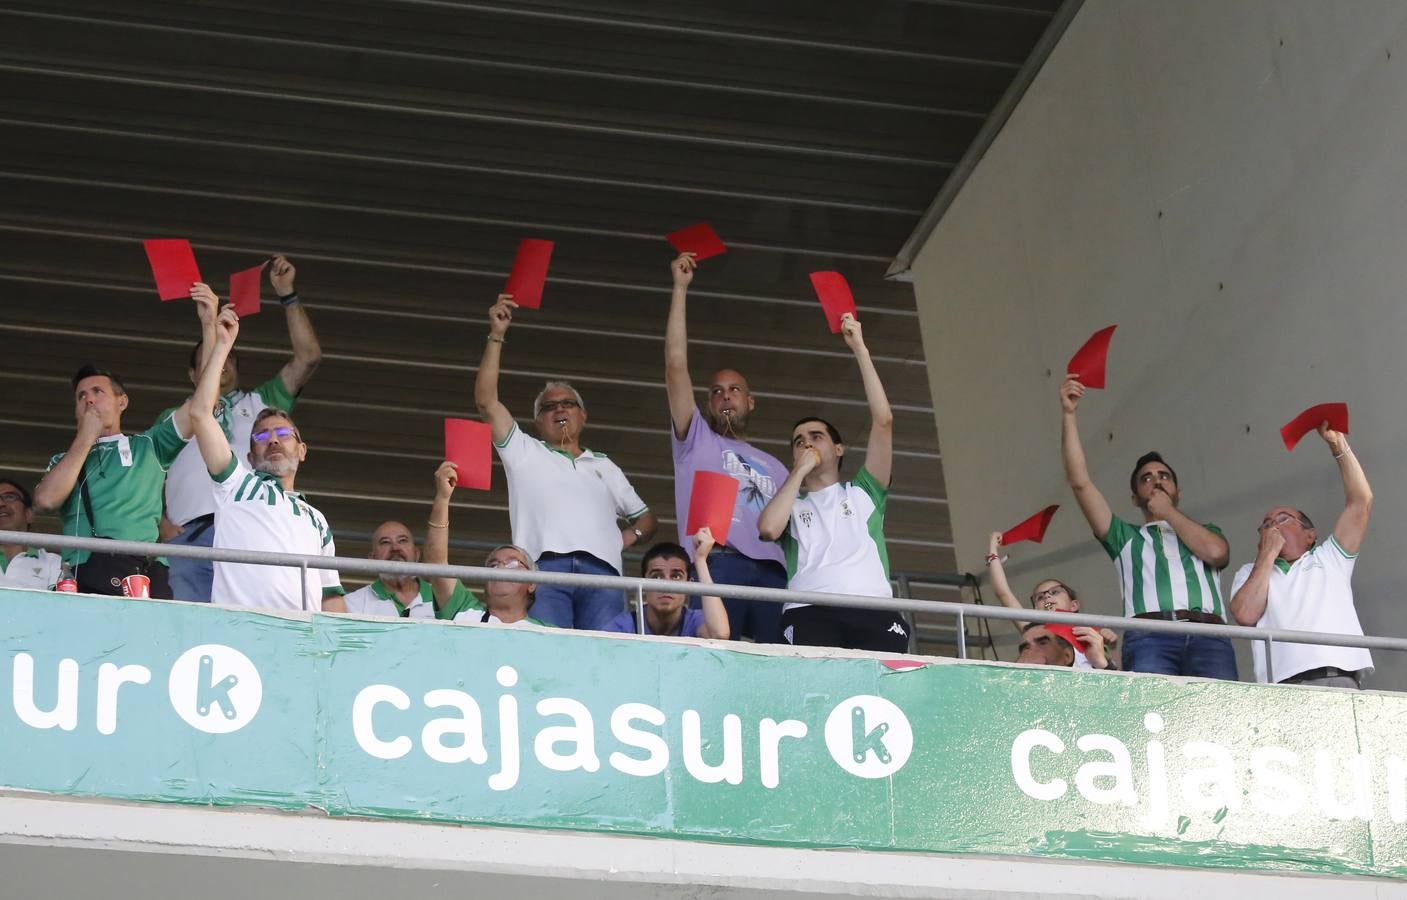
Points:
(136, 586)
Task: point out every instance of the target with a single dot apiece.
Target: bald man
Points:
(715, 440)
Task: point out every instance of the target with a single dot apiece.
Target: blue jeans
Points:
(756, 619)
(191, 579)
(584, 608)
(1179, 654)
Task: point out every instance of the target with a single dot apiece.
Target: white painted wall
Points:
(1227, 181)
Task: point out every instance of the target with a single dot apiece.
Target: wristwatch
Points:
(639, 535)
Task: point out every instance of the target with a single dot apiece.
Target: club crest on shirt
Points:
(806, 518)
(846, 511)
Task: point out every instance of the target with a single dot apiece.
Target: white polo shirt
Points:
(188, 490)
(558, 504)
(1311, 594)
(35, 569)
(254, 512)
(834, 542)
(376, 599)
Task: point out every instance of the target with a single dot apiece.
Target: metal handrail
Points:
(638, 586)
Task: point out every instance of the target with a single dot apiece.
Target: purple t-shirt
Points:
(625, 624)
(759, 476)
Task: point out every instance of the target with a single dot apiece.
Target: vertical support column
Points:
(962, 635)
(639, 609)
(1269, 663)
(303, 582)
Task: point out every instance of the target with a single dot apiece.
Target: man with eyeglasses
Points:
(256, 506)
(716, 440)
(408, 596)
(22, 566)
(565, 502)
(1169, 567)
(1300, 584)
(190, 502)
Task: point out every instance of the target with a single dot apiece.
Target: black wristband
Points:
(289, 300)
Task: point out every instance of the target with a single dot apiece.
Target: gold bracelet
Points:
(444, 524)
(496, 339)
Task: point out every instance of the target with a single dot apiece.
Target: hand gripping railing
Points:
(638, 586)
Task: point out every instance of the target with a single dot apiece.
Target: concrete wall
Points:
(1227, 181)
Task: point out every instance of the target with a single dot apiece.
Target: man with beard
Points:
(565, 502)
(1169, 567)
(256, 507)
(406, 595)
(715, 440)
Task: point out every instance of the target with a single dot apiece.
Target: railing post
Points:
(962, 636)
(640, 609)
(910, 618)
(303, 582)
(1269, 665)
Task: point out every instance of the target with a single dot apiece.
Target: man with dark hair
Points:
(565, 501)
(1169, 567)
(190, 500)
(1300, 584)
(1040, 647)
(108, 484)
(715, 440)
(22, 566)
(666, 613)
(832, 532)
(256, 506)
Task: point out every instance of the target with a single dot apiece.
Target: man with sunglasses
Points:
(256, 506)
(190, 503)
(1169, 567)
(1300, 584)
(565, 502)
(22, 566)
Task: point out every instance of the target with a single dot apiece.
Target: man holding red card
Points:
(1169, 567)
(832, 531)
(190, 500)
(1299, 584)
(565, 501)
(715, 440)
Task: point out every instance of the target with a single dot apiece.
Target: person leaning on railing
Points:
(1169, 567)
(1053, 595)
(1040, 647)
(21, 566)
(1299, 584)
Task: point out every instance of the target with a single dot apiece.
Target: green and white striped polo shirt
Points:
(1158, 572)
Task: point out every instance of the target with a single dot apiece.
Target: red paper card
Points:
(529, 273)
(1087, 365)
(711, 503)
(244, 290)
(173, 266)
(1336, 414)
(700, 240)
(1067, 632)
(835, 295)
(467, 445)
(1033, 529)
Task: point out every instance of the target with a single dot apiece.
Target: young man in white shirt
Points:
(22, 566)
(1299, 584)
(256, 506)
(832, 532)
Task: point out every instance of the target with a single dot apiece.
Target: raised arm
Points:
(209, 436)
(436, 549)
(486, 384)
(772, 521)
(307, 353)
(207, 308)
(1358, 495)
(716, 623)
(1091, 501)
(879, 454)
(1000, 586)
(53, 489)
(1208, 546)
(677, 383)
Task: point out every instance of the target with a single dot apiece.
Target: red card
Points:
(467, 445)
(1336, 414)
(711, 503)
(1033, 529)
(835, 295)
(244, 290)
(529, 273)
(1087, 365)
(173, 266)
(1067, 632)
(700, 240)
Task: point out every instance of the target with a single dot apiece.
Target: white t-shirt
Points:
(558, 504)
(378, 600)
(834, 542)
(36, 569)
(1313, 593)
(254, 512)
(188, 491)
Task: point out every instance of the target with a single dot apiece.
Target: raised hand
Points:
(1070, 393)
(226, 327)
(1335, 439)
(207, 305)
(501, 315)
(994, 543)
(446, 479)
(683, 268)
(703, 542)
(851, 331)
(281, 274)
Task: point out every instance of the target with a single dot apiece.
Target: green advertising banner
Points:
(521, 727)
